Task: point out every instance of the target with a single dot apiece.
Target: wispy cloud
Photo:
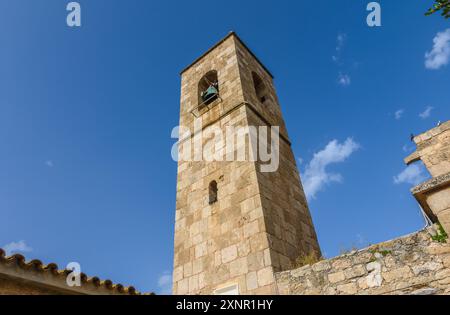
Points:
(340, 42)
(413, 175)
(361, 241)
(49, 163)
(407, 148)
(439, 56)
(316, 176)
(17, 247)
(427, 113)
(344, 79)
(399, 114)
(165, 283)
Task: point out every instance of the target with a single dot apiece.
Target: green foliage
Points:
(441, 236)
(440, 5)
(385, 252)
(305, 260)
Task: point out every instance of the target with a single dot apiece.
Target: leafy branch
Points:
(440, 5)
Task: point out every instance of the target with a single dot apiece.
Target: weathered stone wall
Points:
(433, 148)
(411, 265)
(288, 222)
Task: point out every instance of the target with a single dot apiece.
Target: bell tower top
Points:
(225, 76)
(230, 34)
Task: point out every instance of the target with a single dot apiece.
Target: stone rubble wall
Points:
(414, 265)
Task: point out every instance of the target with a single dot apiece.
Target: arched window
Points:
(260, 88)
(208, 88)
(213, 192)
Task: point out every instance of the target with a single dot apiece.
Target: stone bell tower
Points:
(235, 224)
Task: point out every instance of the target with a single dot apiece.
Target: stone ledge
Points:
(432, 184)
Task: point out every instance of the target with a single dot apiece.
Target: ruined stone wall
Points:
(411, 265)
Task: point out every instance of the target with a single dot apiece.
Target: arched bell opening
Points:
(208, 88)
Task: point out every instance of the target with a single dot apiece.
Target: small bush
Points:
(305, 260)
(441, 236)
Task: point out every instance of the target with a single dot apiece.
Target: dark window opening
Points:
(213, 192)
(260, 88)
(208, 88)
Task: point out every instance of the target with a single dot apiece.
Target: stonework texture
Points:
(413, 265)
(261, 222)
(433, 149)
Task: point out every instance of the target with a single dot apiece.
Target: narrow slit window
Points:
(213, 192)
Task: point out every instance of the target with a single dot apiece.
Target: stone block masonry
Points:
(260, 222)
(433, 149)
(412, 265)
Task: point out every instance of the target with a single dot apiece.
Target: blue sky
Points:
(86, 116)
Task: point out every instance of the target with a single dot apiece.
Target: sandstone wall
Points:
(433, 148)
(411, 265)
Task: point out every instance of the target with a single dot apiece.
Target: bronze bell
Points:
(210, 94)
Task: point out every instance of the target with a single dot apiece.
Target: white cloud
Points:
(316, 176)
(165, 283)
(49, 163)
(344, 79)
(413, 174)
(399, 114)
(16, 247)
(440, 54)
(427, 113)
